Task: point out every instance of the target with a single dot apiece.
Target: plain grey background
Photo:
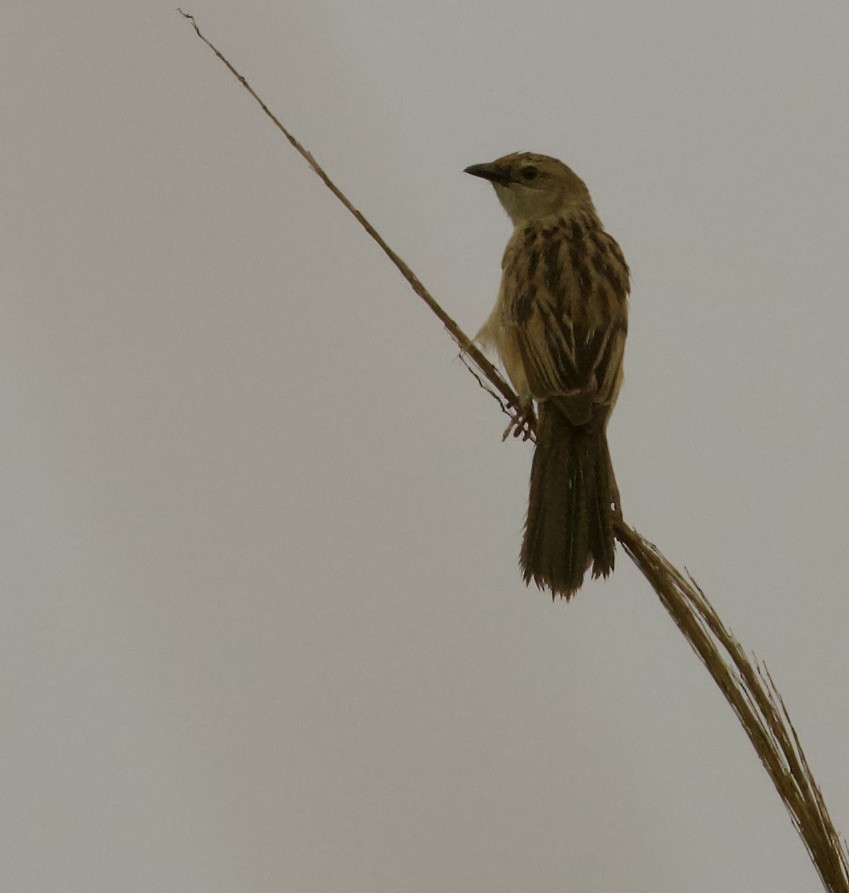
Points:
(262, 624)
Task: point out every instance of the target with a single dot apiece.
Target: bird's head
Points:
(531, 186)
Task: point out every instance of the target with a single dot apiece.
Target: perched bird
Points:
(559, 327)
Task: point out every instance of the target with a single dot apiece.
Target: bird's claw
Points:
(521, 423)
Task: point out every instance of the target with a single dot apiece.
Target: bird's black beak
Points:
(491, 172)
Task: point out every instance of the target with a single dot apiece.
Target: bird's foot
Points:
(522, 422)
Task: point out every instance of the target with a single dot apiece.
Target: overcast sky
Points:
(262, 623)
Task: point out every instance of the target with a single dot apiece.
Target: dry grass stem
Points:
(463, 341)
(751, 692)
(745, 682)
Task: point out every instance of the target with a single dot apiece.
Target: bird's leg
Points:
(522, 422)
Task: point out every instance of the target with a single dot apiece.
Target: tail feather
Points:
(570, 508)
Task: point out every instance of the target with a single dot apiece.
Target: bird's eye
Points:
(528, 173)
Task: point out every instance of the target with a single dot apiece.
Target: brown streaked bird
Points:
(559, 327)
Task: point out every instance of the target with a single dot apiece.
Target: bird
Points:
(558, 327)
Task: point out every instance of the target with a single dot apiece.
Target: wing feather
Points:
(565, 289)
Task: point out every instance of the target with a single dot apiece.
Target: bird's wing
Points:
(566, 288)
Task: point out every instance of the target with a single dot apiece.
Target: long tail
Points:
(571, 505)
